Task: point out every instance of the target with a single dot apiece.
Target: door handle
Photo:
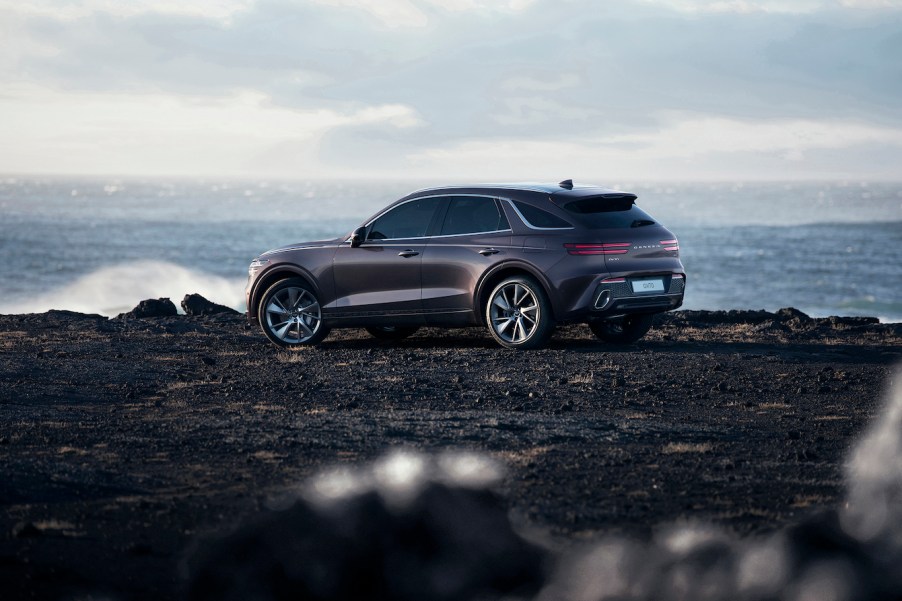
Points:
(408, 253)
(489, 251)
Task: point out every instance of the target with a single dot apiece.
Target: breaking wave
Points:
(117, 289)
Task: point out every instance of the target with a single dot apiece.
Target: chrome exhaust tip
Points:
(603, 300)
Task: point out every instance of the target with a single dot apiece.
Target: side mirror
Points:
(358, 236)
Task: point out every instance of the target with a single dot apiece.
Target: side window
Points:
(409, 220)
(473, 214)
(536, 217)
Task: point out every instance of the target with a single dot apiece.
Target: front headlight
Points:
(255, 266)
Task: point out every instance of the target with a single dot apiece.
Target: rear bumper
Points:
(617, 298)
(650, 304)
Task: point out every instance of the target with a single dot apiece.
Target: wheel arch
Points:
(277, 274)
(501, 272)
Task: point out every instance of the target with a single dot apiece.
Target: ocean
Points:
(100, 245)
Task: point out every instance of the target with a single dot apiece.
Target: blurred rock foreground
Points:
(408, 527)
(422, 527)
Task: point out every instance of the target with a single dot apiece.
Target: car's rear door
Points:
(474, 235)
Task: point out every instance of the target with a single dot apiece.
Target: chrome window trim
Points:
(474, 234)
(507, 229)
(373, 220)
(519, 186)
(392, 208)
(389, 209)
(531, 226)
(373, 242)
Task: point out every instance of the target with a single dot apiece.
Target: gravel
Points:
(126, 442)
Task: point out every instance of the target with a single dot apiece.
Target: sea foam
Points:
(118, 288)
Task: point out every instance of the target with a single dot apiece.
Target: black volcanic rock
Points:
(62, 313)
(789, 313)
(717, 318)
(835, 320)
(120, 444)
(423, 536)
(195, 304)
(151, 307)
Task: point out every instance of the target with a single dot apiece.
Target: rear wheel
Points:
(392, 332)
(518, 314)
(290, 314)
(623, 330)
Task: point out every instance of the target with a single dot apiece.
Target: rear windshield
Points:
(600, 212)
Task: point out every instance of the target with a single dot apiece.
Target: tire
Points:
(290, 314)
(392, 332)
(623, 330)
(518, 314)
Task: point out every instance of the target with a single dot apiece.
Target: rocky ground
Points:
(125, 441)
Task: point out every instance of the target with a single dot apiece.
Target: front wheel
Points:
(392, 332)
(623, 330)
(290, 314)
(518, 314)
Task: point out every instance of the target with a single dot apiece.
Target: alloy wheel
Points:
(514, 312)
(293, 315)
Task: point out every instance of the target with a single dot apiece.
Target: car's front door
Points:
(383, 276)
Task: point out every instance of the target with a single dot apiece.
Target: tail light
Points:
(612, 248)
(677, 276)
(671, 244)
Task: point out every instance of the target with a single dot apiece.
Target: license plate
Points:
(640, 286)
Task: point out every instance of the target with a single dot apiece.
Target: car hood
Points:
(304, 245)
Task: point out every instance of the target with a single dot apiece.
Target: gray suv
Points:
(517, 258)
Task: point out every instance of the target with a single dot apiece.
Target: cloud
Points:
(72, 10)
(690, 145)
(419, 13)
(694, 137)
(409, 78)
(773, 6)
(179, 134)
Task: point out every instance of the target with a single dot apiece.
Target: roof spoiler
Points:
(625, 196)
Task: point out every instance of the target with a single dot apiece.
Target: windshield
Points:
(600, 212)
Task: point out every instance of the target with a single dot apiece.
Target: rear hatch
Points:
(632, 242)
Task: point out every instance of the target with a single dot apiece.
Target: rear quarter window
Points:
(537, 218)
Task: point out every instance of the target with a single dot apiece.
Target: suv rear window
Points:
(599, 212)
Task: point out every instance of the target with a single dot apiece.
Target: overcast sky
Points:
(453, 89)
